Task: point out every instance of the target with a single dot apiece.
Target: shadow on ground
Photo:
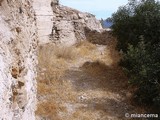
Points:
(97, 78)
(109, 107)
(97, 75)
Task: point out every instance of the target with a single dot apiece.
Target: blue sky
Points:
(100, 8)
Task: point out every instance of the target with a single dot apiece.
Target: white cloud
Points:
(94, 6)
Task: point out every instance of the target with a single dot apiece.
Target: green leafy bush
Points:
(137, 28)
(142, 66)
(137, 19)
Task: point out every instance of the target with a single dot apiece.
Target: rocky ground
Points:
(85, 84)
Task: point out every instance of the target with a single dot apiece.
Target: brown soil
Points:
(91, 87)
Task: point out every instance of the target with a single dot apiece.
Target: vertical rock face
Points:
(61, 24)
(18, 43)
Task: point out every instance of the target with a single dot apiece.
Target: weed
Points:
(85, 48)
(48, 110)
(65, 52)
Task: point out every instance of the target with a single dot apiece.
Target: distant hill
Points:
(106, 24)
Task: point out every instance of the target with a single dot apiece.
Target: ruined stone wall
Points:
(18, 43)
(69, 24)
(60, 24)
(101, 38)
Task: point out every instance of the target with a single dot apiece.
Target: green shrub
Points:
(137, 28)
(137, 19)
(142, 66)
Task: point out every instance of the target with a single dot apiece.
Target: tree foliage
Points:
(137, 28)
(137, 19)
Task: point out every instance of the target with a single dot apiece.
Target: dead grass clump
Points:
(111, 52)
(85, 48)
(47, 109)
(45, 55)
(50, 74)
(50, 70)
(95, 68)
(84, 115)
(43, 89)
(86, 44)
(65, 52)
(47, 63)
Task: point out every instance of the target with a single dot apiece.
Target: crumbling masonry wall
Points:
(18, 43)
(62, 25)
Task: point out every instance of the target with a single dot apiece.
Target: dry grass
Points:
(47, 109)
(50, 68)
(111, 54)
(95, 68)
(60, 94)
(65, 52)
(86, 44)
(43, 89)
(85, 48)
(83, 115)
(50, 52)
(53, 61)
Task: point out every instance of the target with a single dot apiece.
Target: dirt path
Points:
(92, 87)
(100, 90)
